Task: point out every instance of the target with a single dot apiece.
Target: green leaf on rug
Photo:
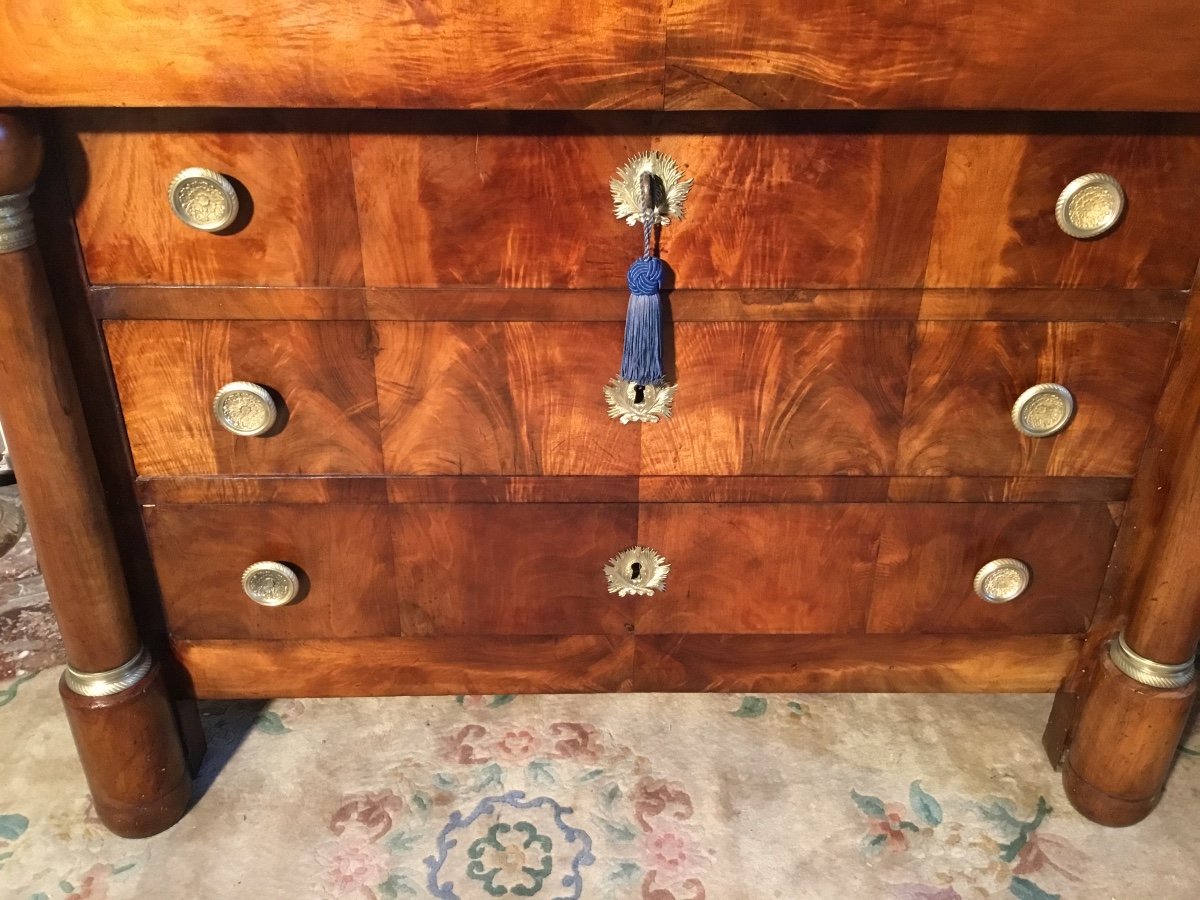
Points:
(396, 885)
(871, 806)
(488, 776)
(611, 796)
(66, 887)
(117, 870)
(270, 723)
(590, 775)
(619, 831)
(12, 826)
(797, 708)
(1188, 751)
(1024, 889)
(501, 700)
(751, 708)
(924, 805)
(419, 801)
(626, 871)
(401, 842)
(539, 772)
(444, 781)
(9, 694)
(1009, 851)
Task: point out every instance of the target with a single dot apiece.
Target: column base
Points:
(1123, 746)
(132, 755)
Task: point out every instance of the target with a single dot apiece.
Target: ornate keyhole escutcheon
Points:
(629, 402)
(639, 571)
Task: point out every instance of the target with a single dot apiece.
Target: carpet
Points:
(697, 797)
(646, 797)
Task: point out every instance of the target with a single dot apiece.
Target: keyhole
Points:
(639, 394)
(635, 571)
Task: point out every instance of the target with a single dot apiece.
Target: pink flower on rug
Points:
(352, 866)
(653, 797)
(890, 830)
(93, 885)
(372, 811)
(575, 740)
(465, 746)
(517, 745)
(691, 889)
(1042, 850)
(670, 852)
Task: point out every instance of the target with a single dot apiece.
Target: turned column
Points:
(1137, 701)
(115, 697)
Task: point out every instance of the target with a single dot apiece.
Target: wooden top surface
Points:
(585, 54)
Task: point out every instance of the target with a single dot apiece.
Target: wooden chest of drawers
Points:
(431, 304)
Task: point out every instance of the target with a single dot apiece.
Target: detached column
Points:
(1137, 702)
(115, 697)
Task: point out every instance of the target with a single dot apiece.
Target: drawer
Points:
(872, 567)
(458, 569)
(505, 200)
(320, 376)
(370, 570)
(965, 378)
(525, 398)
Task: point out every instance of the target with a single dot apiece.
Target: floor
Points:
(702, 797)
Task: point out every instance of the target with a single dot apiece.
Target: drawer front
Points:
(375, 570)
(525, 398)
(321, 377)
(501, 200)
(929, 555)
(871, 567)
(965, 378)
(458, 569)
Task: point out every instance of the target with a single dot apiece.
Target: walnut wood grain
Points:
(834, 663)
(618, 489)
(61, 486)
(298, 223)
(761, 568)
(782, 399)
(409, 666)
(1123, 745)
(425, 224)
(510, 569)
(520, 398)
(426, 53)
(962, 54)
(966, 377)
(1123, 741)
(929, 554)
(129, 747)
(343, 553)
(609, 305)
(995, 223)
(167, 374)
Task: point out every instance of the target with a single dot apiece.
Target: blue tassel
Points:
(642, 360)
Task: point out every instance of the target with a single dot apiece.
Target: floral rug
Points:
(713, 797)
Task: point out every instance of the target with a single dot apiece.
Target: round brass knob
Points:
(245, 409)
(1001, 580)
(639, 571)
(203, 199)
(1090, 205)
(271, 583)
(1043, 410)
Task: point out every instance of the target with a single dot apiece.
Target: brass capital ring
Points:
(113, 681)
(1147, 671)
